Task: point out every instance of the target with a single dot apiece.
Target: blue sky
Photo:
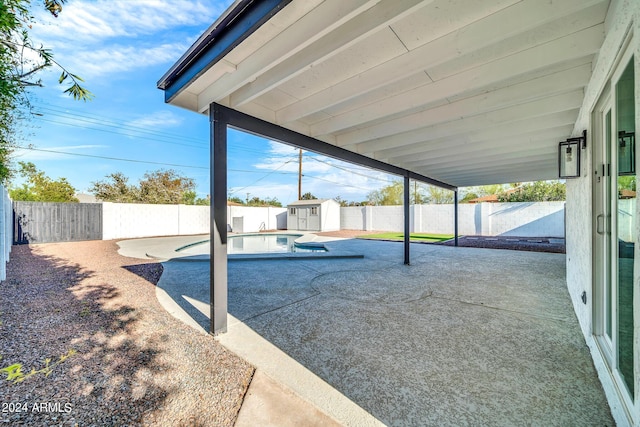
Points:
(121, 49)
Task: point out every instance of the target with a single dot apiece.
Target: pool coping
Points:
(306, 239)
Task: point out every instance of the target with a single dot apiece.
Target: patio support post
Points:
(455, 217)
(406, 219)
(218, 227)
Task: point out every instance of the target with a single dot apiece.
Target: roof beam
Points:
(523, 125)
(496, 29)
(278, 133)
(474, 146)
(507, 177)
(548, 85)
(298, 36)
(541, 107)
(365, 24)
(491, 162)
(512, 168)
(489, 75)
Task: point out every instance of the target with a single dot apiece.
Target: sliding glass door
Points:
(614, 234)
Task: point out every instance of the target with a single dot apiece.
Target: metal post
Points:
(406, 220)
(300, 175)
(218, 228)
(455, 217)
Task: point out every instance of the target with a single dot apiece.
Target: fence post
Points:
(6, 236)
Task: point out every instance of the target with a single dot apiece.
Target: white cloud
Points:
(104, 19)
(157, 119)
(119, 59)
(114, 36)
(324, 177)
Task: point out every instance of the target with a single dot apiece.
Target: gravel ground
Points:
(543, 244)
(135, 364)
(513, 243)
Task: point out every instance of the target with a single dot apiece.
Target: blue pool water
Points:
(254, 244)
(267, 243)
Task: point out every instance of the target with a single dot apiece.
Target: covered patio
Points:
(463, 336)
(447, 93)
(453, 93)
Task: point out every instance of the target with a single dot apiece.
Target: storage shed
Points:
(314, 215)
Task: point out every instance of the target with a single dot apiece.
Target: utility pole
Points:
(300, 175)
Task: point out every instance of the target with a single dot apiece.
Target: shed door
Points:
(302, 218)
(314, 218)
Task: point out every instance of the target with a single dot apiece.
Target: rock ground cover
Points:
(135, 364)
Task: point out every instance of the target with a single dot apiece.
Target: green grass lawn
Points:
(416, 237)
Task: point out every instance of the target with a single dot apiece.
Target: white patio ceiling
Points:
(467, 92)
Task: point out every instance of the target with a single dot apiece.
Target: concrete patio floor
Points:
(462, 336)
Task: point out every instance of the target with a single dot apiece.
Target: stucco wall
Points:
(543, 219)
(128, 220)
(257, 218)
(386, 218)
(623, 18)
(353, 218)
(193, 219)
(122, 220)
(330, 216)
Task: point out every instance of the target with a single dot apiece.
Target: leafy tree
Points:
(418, 194)
(308, 196)
(40, 188)
(469, 196)
(256, 201)
(626, 183)
(115, 188)
(165, 187)
(439, 195)
(235, 199)
(20, 62)
(538, 191)
(345, 203)
(158, 187)
(392, 194)
(190, 198)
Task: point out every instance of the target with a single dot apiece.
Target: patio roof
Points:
(464, 92)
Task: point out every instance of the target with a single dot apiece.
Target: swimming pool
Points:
(256, 244)
(268, 243)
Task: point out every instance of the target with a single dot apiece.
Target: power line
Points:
(110, 158)
(141, 161)
(348, 170)
(135, 131)
(337, 183)
(111, 122)
(261, 178)
(118, 133)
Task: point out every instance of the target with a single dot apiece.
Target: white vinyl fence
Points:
(125, 220)
(526, 219)
(6, 231)
(128, 220)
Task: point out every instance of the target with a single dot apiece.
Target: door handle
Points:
(600, 224)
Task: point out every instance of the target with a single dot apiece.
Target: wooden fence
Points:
(38, 222)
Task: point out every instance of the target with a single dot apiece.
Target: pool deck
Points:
(188, 248)
(462, 336)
